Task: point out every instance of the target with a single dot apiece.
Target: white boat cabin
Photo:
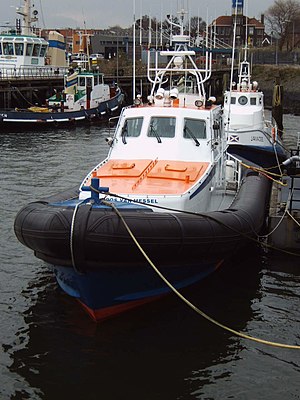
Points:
(165, 156)
(245, 109)
(22, 51)
(244, 103)
(170, 151)
(81, 87)
(185, 134)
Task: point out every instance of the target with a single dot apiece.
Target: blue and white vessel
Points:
(249, 134)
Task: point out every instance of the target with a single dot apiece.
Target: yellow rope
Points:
(265, 173)
(277, 96)
(207, 317)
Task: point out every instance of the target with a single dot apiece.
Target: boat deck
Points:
(148, 176)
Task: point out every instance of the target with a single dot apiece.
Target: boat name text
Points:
(257, 139)
(146, 201)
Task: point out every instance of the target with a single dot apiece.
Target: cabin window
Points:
(36, 50)
(29, 48)
(89, 81)
(8, 49)
(19, 49)
(96, 80)
(233, 100)
(82, 81)
(194, 128)
(243, 100)
(132, 127)
(253, 101)
(43, 50)
(162, 127)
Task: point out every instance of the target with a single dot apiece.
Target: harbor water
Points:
(51, 350)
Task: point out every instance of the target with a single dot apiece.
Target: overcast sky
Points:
(105, 13)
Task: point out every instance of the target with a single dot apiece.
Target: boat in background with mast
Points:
(85, 97)
(23, 53)
(249, 134)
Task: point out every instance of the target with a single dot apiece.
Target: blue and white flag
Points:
(237, 3)
(234, 138)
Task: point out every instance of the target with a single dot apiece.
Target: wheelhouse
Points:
(22, 51)
(188, 135)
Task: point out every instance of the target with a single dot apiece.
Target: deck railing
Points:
(7, 73)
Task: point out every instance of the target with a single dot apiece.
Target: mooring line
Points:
(191, 305)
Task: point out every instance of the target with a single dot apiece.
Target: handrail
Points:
(7, 73)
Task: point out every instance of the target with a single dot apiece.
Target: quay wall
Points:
(23, 92)
(289, 78)
(17, 92)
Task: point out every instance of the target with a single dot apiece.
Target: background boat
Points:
(85, 96)
(249, 134)
(87, 100)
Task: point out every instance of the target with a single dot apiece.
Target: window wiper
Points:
(154, 131)
(123, 133)
(190, 133)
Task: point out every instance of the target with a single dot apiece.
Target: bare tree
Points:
(197, 27)
(280, 17)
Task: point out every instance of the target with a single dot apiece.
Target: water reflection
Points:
(162, 351)
(259, 371)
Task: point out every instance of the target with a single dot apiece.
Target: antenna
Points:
(25, 11)
(42, 14)
(133, 66)
(232, 64)
(246, 33)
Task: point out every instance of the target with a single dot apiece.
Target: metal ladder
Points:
(295, 179)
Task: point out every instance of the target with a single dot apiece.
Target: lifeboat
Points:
(168, 195)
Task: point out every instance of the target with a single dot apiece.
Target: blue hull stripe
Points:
(205, 183)
(57, 45)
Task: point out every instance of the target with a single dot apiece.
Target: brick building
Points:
(249, 29)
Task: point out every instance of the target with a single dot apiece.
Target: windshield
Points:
(131, 128)
(194, 128)
(162, 127)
